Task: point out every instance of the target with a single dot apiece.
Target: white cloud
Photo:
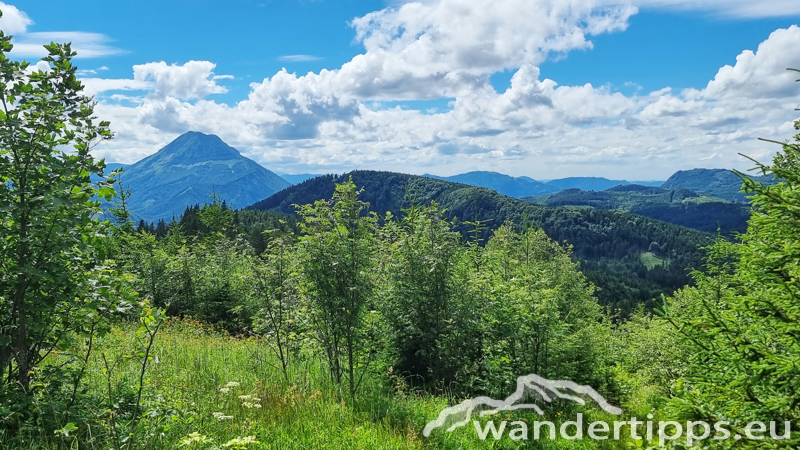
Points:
(94, 86)
(193, 80)
(761, 74)
(13, 21)
(730, 8)
(299, 58)
(30, 45)
(435, 49)
(448, 49)
(87, 45)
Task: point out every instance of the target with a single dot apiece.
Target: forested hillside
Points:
(632, 259)
(678, 206)
(721, 183)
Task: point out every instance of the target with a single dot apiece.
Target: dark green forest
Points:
(679, 206)
(609, 244)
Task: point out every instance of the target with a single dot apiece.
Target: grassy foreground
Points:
(208, 390)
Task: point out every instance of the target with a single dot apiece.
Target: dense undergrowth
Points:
(205, 389)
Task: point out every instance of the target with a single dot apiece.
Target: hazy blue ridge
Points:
(519, 187)
(720, 183)
(503, 184)
(297, 177)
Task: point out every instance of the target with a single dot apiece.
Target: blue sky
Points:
(407, 87)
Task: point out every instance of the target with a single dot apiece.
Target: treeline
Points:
(406, 294)
(607, 243)
(249, 223)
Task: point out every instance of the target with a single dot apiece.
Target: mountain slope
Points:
(720, 183)
(678, 206)
(612, 245)
(504, 184)
(188, 170)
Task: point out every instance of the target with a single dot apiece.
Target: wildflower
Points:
(241, 442)
(221, 416)
(245, 397)
(225, 390)
(194, 438)
(231, 384)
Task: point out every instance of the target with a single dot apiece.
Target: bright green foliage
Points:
(420, 298)
(53, 289)
(743, 319)
(216, 216)
(607, 243)
(648, 357)
(277, 299)
(539, 311)
(337, 259)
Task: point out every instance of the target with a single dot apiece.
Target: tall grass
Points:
(205, 389)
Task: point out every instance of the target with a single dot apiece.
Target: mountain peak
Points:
(194, 146)
(188, 170)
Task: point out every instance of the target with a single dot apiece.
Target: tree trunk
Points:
(21, 342)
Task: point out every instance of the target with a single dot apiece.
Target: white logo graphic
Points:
(528, 386)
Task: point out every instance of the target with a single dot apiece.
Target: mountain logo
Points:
(529, 387)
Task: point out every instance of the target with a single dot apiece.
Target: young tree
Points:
(538, 307)
(277, 295)
(742, 320)
(420, 288)
(52, 287)
(337, 258)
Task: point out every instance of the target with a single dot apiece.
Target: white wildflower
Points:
(241, 442)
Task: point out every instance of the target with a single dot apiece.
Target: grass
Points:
(206, 390)
(651, 261)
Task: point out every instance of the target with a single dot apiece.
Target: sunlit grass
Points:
(651, 261)
(204, 389)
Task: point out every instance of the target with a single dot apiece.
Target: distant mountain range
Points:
(613, 245)
(187, 171)
(627, 255)
(596, 183)
(504, 184)
(720, 183)
(297, 177)
(194, 165)
(519, 187)
(679, 206)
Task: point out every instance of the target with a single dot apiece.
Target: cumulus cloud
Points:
(436, 49)
(94, 86)
(449, 49)
(761, 74)
(190, 81)
(13, 21)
